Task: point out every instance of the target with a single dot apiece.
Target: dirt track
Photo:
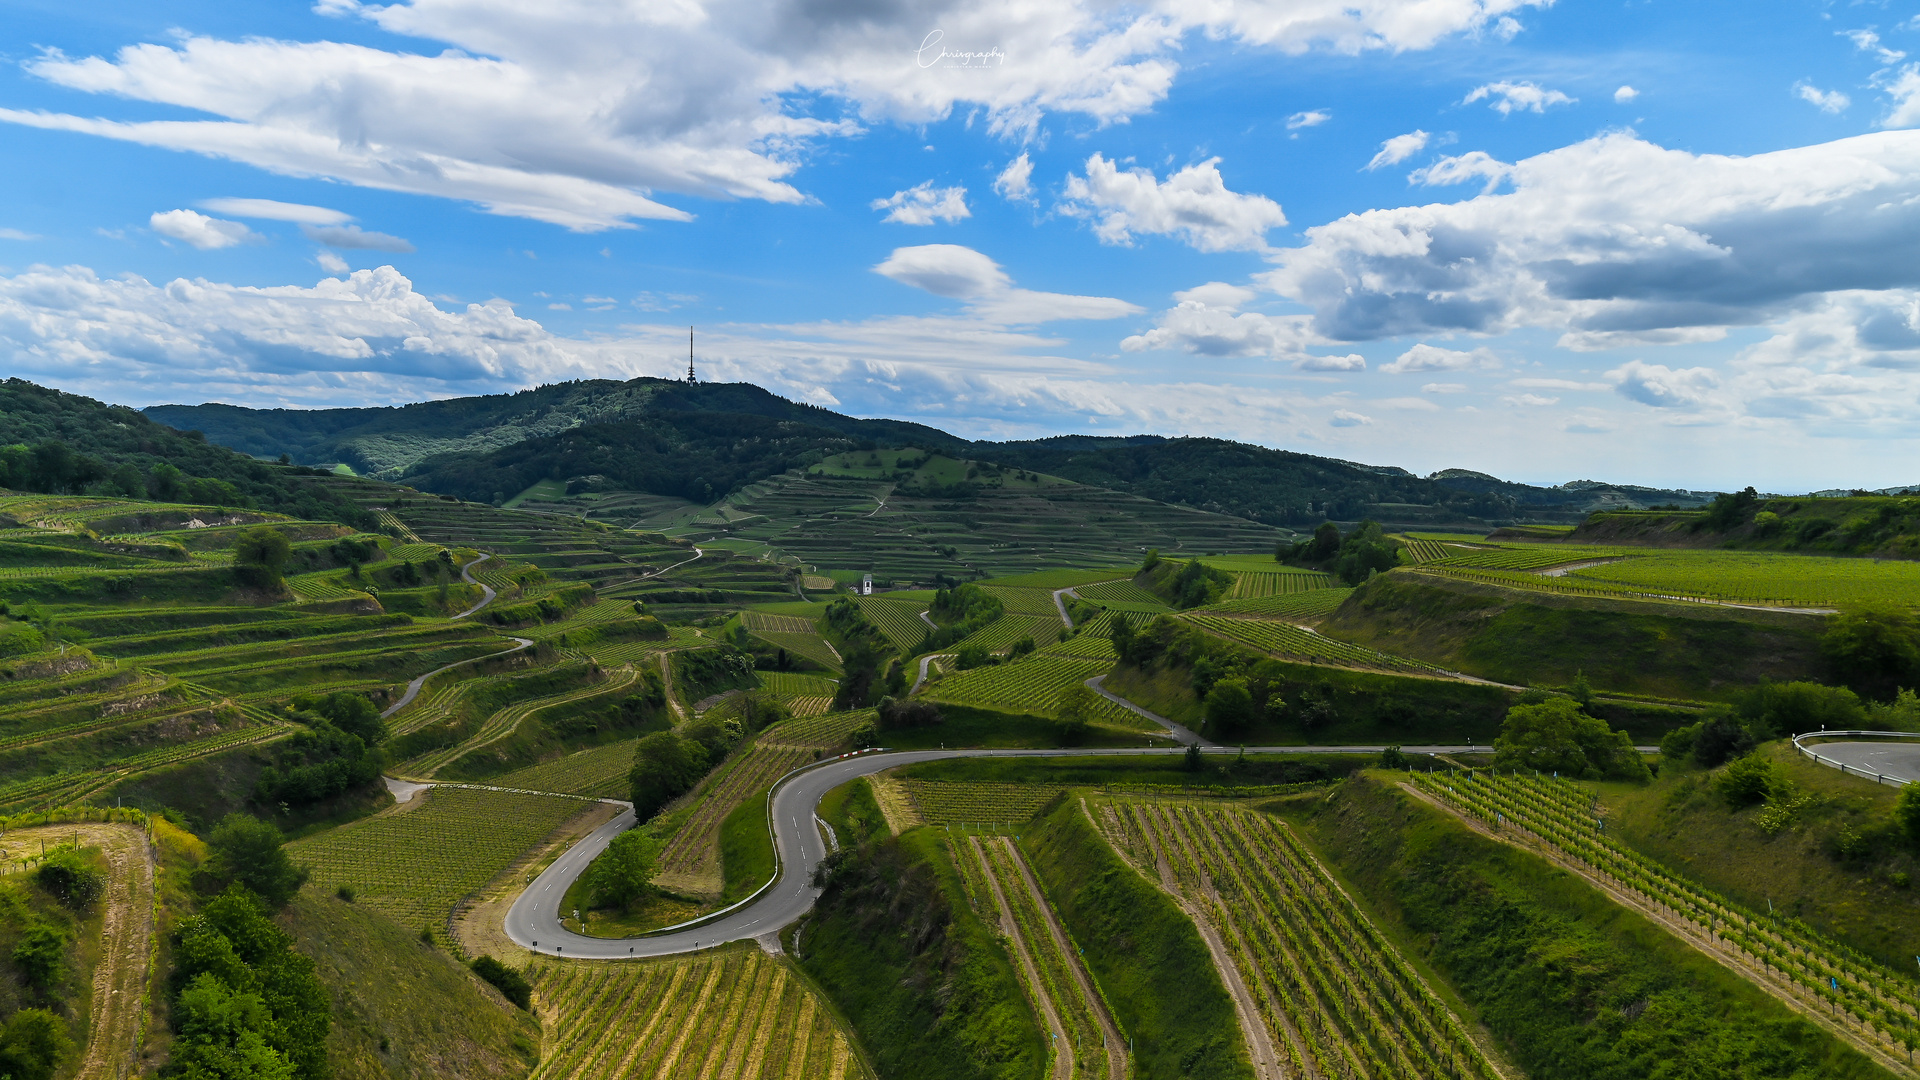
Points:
(1062, 1049)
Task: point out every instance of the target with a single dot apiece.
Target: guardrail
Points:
(1854, 770)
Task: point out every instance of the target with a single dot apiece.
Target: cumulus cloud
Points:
(1443, 388)
(924, 204)
(1507, 98)
(1424, 357)
(1349, 362)
(1217, 294)
(1192, 204)
(1617, 236)
(331, 263)
(961, 273)
(1529, 401)
(1460, 168)
(1310, 118)
(577, 114)
(1015, 182)
(1559, 384)
(1625, 94)
(274, 210)
(1868, 41)
(1663, 387)
(1349, 418)
(1903, 87)
(352, 236)
(1398, 149)
(1827, 101)
(201, 231)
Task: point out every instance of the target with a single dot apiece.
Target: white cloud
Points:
(1558, 384)
(961, 273)
(16, 234)
(576, 114)
(1408, 404)
(1443, 388)
(1197, 327)
(1624, 95)
(273, 210)
(352, 236)
(1349, 418)
(1507, 98)
(1827, 101)
(1617, 236)
(1460, 168)
(1015, 182)
(200, 230)
(1868, 41)
(1398, 149)
(1217, 294)
(924, 204)
(1530, 401)
(1424, 357)
(1310, 118)
(1192, 204)
(559, 306)
(1663, 387)
(1349, 362)
(331, 263)
(1904, 88)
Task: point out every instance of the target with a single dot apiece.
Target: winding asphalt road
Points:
(534, 920)
(486, 597)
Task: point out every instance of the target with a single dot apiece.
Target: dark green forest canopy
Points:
(60, 443)
(621, 431)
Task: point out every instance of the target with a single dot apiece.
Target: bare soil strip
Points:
(126, 941)
(1061, 1048)
(1266, 1059)
(1727, 955)
(1116, 1045)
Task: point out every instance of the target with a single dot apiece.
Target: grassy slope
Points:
(1573, 986)
(1675, 651)
(1145, 954)
(930, 992)
(437, 1019)
(1679, 821)
(746, 848)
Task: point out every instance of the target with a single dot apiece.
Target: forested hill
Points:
(701, 441)
(386, 442)
(62, 443)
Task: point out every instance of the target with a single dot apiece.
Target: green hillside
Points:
(1881, 526)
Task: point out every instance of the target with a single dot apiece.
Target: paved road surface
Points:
(413, 688)
(1180, 734)
(1901, 760)
(486, 591)
(534, 920)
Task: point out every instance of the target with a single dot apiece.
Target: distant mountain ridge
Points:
(702, 441)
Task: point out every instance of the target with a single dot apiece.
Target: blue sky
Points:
(1651, 242)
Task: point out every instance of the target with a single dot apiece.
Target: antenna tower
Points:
(690, 378)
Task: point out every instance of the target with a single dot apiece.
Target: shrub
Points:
(246, 851)
(511, 984)
(1748, 780)
(624, 872)
(65, 873)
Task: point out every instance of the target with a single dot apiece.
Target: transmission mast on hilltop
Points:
(690, 379)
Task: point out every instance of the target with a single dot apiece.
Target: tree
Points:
(1906, 812)
(1229, 708)
(247, 851)
(222, 1034)
(1075, 711)
(1874, 651)
(1748, 780)
(33, 1045)
(1555, 736)
(259, 556)
(664, 766)
(624, 872)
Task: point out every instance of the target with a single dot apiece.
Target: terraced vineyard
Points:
(736, 1013)
(503, 722)
(823, 731)
(1878, 1010)
(1084, 1041)
(1335, 995)
(600, 773)
(1285, 639)
(1033, 685)
(1000, 634)
(1024, 601)
(415, 866)
(1313, 604)
(946, 802)
(690, 863)
(1529, 556)
(1121, 595)
(1251, 585)
(898, 619)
